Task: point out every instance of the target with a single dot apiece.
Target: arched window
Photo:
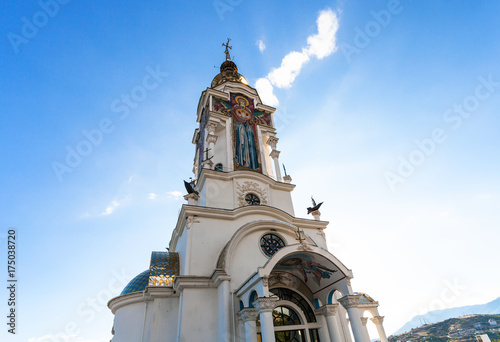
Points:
(283, 315)
(294, 297)
(293, 318)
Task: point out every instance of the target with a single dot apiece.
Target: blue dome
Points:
(137, 284)
(163, 268)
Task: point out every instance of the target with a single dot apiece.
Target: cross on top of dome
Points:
(228, 57)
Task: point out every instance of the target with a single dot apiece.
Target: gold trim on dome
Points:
(161, 280)
(219, 79)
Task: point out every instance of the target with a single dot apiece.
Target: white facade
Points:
(241, 266)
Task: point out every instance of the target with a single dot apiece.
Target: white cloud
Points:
(319, 45)
(322, 44)
(265, 89)
(176, 195)
(113, 206)
(291, 65)
(261, 45)
(152, 196)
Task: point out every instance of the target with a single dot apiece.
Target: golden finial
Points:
(228, 57)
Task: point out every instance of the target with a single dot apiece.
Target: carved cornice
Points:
(378, 320)
(275, 154)
(272, 141)
(192, 198)
(149, 294)
(219, 276)
(350, 301)
(248, 314)
(212, 125)
(328, 309)
(254, 176)
(265, 304)
(182, 282)
(212, 138)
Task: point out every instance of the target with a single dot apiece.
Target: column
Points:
(364, 320)
(211, 139)
(378, 320)
(275, 154)
(192, 198)
(221, 280)
(265, 307)
(249, 316)
(272, 141)
(330, 313)
(323, 330)
(351, 303)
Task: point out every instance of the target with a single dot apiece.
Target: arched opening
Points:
(293, 318)
(253, 297)
(296, 280)
(299, 281)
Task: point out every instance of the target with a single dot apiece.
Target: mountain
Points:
(460, 329)
(490, 308)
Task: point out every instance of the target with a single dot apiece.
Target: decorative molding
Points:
(212, 138)
(350, 301)
(207, 164)
(265, 304)
(348, 281)
(328, 309)
(220, 276)
(192, 198)
(250, 187)
(248, 314)
(304, 247)
(272, 141)
(378, 320)
(182, 282)
(275, 154)
(287, 179)
(212, 126)
(316, 214)
(364, 320)
(191, 219)
(265, 281)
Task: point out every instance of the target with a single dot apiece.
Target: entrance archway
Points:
(293, 318)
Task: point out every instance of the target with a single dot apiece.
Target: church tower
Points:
(240, 265)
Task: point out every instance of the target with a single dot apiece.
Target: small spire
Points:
(228, 57)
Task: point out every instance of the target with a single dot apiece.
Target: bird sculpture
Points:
(189, 188)
(314, 207)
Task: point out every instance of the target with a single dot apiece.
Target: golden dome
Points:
(228, 73)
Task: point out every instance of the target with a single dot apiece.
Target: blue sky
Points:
(414, 220)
